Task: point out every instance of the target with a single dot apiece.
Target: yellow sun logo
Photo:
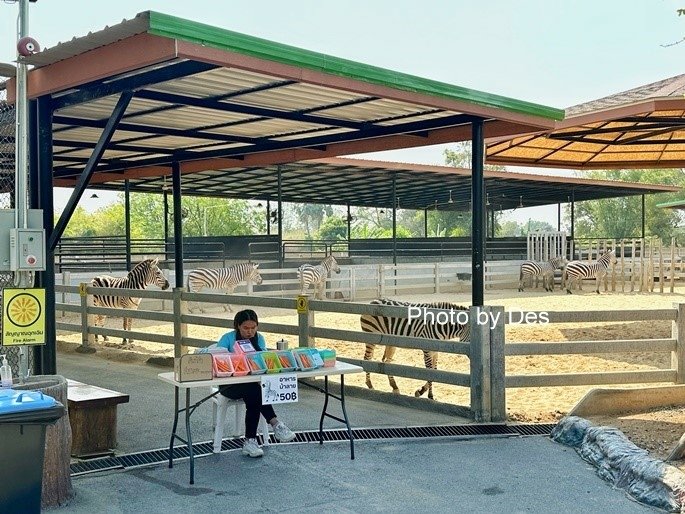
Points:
(23, 310)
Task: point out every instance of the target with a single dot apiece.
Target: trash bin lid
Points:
(12, 401)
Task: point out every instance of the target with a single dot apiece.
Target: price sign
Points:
(279, 388)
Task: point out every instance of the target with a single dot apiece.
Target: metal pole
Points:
(394, 220)
(48, 352)
(478, 205)
(573, 213)
(280, 217)
(643, 216)
(166, 224)
(268, 218)
(127, 218)
(425, 223)
(349, 224)
(178, 225)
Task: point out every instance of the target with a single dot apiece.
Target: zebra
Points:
(413, 328)
(223, 278)
(544, 269)
(316, 275)
(579, 270)
(143, 274)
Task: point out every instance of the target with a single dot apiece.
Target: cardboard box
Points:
(193, 367)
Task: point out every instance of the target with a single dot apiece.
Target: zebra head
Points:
(608, 258)
(253, 274)
(149, 274)
(331, 264)
(558, 262)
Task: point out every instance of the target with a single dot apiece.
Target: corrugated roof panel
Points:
(318, 133)
(297, 97)
(186, 118)
(265, 128)
(215, 82)
(103, 107)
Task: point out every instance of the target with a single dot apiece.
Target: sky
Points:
(556, 53)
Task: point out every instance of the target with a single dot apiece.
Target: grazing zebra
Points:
(578, 270)
(143, 274)
(316, 275)
(413, 328)
(544, 269)
(223, 278)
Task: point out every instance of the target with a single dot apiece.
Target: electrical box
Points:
(7, 223)
(27, 249)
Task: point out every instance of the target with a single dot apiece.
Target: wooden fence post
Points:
(86, 320)
(180, 329)
(678, 333)
(498, 403)
(305, 319)
(436, 270)
(479, 358)
(353, 286)
(381, 281)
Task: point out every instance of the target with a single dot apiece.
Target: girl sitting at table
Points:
(245, 324)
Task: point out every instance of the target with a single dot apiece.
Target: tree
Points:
(333, 227)
(621, 218)
(312, 215)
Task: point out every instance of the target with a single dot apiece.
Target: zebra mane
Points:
(427, 305)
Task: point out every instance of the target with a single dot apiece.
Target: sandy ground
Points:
(657, 431)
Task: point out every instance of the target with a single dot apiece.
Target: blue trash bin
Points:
(23, 418)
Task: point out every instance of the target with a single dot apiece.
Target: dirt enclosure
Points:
(656, 431)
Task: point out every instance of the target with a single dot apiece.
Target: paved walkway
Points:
(476, 475)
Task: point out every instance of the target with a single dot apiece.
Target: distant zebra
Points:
(412, 328)
(579, 270)
(544, 269)
(143, 274)
(223, 278)
(316, 275)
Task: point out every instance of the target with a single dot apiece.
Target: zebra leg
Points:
(388, 357)
(100, 322)
(368, 355)
(521, 282)
(128, 322)
(430, 359)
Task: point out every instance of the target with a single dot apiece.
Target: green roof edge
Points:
(676, 203)
(178, 28)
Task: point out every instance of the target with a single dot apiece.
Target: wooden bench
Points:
(93, 418)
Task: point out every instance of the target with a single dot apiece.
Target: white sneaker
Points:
(252, 449)
(283, 433)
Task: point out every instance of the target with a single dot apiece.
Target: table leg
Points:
(344, 410)
(325, 408)
(189, 438)
(173, 430)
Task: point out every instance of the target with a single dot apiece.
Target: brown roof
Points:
(643, 127)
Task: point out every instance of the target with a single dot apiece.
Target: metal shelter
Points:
(159, 95)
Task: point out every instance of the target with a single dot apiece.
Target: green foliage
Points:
(333, 228)
(620, 218)
(312, 215)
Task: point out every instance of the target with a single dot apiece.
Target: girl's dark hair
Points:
(243, 316)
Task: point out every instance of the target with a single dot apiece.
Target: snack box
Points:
(222, 364)
(307, 358)
(243, 346)
(273, 363)
(240, 366)
(287, 359)
(328, 357)
(256, 363)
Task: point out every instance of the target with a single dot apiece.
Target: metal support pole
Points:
(559, 217)
(573, 215)
(643, 216)
(46, 359)
(425, 223)
(127, 222)
(280, 216)
(478, 206)
(178, 225)
(166, 225)
(394, 220)
(349, 225)
(268, 218)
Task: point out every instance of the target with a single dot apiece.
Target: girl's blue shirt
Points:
(228, 340)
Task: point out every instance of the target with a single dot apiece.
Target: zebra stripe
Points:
(223, 278)
(412, 328)
(544, 269)
(316, 275)
(579, 270)
(143, 274)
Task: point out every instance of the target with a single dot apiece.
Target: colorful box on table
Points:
(328, 357)
(308, 358)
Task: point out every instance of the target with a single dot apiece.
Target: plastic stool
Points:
(220, 416)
